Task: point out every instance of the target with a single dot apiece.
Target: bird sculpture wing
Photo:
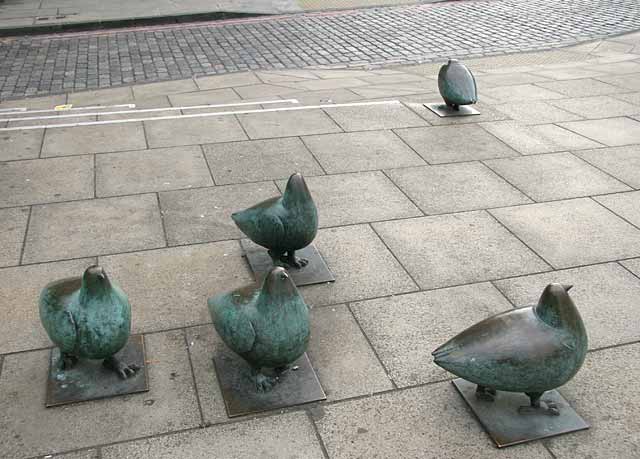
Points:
(271, 228)
(234, 328)
(56, 318)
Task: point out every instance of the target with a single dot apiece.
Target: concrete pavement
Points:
(428, 224)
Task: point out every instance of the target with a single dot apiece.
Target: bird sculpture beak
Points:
(567, 287)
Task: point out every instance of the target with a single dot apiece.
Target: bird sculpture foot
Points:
(289, 260)
(486, 394)
(546, 407)
(265, 383)
(122, 369)
(67, 361)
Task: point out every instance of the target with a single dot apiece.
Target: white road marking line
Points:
(13, 110)
(50, 110)
(203, 115)
(150, 110)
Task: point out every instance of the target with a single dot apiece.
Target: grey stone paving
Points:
(428, 225)
(52, 64)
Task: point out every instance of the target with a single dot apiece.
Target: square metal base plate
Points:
(316, 272)
(89, 380)
(241, 397)
(443, 110)
(507, 427)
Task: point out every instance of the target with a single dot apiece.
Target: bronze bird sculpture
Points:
(88, 317)
(268, 326)
(531, 350)
(282, 224)
(457, 85)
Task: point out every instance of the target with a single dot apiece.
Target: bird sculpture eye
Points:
(284, 276)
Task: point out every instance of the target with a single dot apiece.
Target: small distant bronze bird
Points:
(457, 85)
(530, 350)
(88, 317)
(282, 224)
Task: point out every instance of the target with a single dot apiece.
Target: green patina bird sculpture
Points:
(88, 317)
(457, 85)
(531, 350)
(268, 327)
(282, 224)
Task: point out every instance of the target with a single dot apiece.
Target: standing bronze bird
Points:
(88, 317)
(531, 350)
(282, 224)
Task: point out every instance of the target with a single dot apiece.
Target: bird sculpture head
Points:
(278, 286)
(296, 188)
(556, 307)
(95, 281)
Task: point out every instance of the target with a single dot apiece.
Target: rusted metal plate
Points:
(316, 271)
(296, 386)
(443, 110)
(89, 380)
(507, 427)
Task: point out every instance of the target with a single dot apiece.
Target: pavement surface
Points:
(32, 15)
(40, 65)
(429, 225)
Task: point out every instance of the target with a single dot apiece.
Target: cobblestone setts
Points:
(39, 65)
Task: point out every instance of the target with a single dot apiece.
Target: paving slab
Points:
(360, 151)
(289, 435)
(364, 268)
(164, 88)
(264, 90)
(447, 144)
(401, 328)
(572, 233)
(329, 96)
(82, 140)
(257, 160)
(555, 176)
(13, 225)
(211, 96)
(360, 197)
(395, 91)
(226, 81)
(542, 138)
(109, 96)
(536, 112)
(570, 73)
(287, 123)
(612, 433)
(621, 162)
(31, 429)
(631, 97)
(507, 79)
(583, 87)
(192, 131)
(99, 226)
(151, 170)
(176, 281)
(20, 144)
(374, 117)
(521, 92)
(628, 82)
(612, 132)
(344, 374)
(319, 85)
(20, 289)
(36, 103)
(597, 107)
(426, 422)
(626, 205)
(204, 215)
(606, 296)
(38, 181)
(455, 187)
(450, 250)
(87, 454)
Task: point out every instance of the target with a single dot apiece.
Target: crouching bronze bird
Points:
(531, 350)
(88, 317)
(457, 85)
(282, 224)
(268, 326)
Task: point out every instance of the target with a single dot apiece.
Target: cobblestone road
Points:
(64, 63)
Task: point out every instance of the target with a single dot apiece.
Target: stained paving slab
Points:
(428, 225)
